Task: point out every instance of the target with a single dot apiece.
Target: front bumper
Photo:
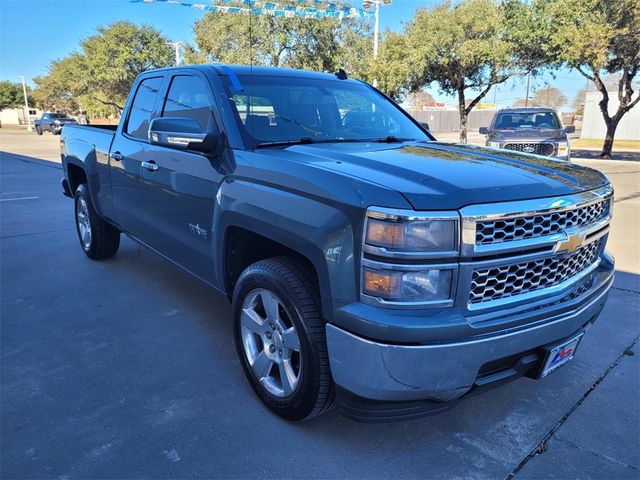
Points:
(443, 371)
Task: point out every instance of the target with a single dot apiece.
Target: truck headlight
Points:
(407, 233)
(563, 149)
(421, 286)
(493, 144)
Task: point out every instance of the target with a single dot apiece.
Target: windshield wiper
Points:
(392, 139)
(307, 141)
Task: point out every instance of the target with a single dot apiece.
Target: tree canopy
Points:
(98, 77)
(465, 48)
(597, 38)
(311, 44)
(546, 97)
(11, 95)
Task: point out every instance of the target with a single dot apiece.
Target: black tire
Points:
(104, 240)
(299, 298)
(38, 130)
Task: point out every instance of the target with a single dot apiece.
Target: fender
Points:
(319, 232)
(94, 163)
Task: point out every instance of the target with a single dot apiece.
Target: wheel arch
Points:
(253, 222)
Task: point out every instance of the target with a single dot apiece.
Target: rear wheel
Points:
(97, 238)
(38, 130)
(280, 338)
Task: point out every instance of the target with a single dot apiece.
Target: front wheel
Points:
(280, 338)
(38, 130)
(97, 238)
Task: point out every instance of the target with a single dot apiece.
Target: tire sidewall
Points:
(301, 402)
(82, 192)
(38, 130)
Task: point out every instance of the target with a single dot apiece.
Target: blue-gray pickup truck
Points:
(369, 266)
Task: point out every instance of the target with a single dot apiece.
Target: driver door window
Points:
(188, 98)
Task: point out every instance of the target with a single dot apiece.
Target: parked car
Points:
(529, 130)
(53, 122)
(368, 265)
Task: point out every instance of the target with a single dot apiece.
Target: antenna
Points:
(250, 93)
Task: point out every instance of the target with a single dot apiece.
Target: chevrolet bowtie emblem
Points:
(570, 244)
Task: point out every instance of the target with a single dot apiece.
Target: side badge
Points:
(198, 231)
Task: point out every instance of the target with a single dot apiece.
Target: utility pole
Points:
(177, 46)
(526, 101)
(26, 104)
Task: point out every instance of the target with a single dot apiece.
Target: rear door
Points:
(127, 154)
(179, 190)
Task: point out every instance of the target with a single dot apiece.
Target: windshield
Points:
(57, 115)
(306, 110)
(513, 121)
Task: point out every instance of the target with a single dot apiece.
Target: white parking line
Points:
(17, 198)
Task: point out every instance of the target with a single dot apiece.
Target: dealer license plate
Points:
(560, 354)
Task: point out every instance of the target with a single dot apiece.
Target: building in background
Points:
(593, 125)
(16, 116)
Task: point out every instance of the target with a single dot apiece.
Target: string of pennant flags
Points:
(294, 9)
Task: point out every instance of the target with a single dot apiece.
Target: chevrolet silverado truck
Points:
(529, 130)
(369, 266)
(53, 123)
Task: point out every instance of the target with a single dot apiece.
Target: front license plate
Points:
(560, 354)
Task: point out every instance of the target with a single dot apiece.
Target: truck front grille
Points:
(529, 226)
(498, 282)
(537, 148)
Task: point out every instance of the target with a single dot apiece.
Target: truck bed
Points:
(100, 137)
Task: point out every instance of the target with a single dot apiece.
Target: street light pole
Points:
(376, 24)
(376, 28)
(526, 101)
(26, 104)
(176, 45)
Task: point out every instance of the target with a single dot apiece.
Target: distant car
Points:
(529, 130)
(53, 122)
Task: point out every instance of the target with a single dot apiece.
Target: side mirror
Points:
(425, 125)
(570, 129)
(183, 134)
(484, 130)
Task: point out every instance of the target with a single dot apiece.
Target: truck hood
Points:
(436, 176)
(528, 135)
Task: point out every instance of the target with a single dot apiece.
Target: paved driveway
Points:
(126, 368)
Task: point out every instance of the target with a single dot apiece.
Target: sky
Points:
(34, 32)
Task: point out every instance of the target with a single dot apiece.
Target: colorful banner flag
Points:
(275, 9)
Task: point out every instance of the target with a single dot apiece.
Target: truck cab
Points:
(369, 266)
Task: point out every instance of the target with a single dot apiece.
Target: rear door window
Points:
(142, 107)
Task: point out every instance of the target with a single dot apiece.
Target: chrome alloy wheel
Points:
(84, 224)
(270, 342)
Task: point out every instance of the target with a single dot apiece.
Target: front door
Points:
(179, 187)
(127, 154)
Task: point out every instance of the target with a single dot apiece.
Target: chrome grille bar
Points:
(495, 283)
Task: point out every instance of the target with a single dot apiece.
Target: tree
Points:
(463, 47)
(420, 100)
(579, 100)
(11, 95)
(521, 102)
(102, 72)
(549, 97)
(596, 38)
(314, 44)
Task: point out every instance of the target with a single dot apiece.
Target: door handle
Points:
(117, 156)
(151, 166)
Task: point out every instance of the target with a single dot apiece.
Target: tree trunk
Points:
(462, 108)
(607, 147)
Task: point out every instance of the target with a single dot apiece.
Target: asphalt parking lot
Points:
(126, 369)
